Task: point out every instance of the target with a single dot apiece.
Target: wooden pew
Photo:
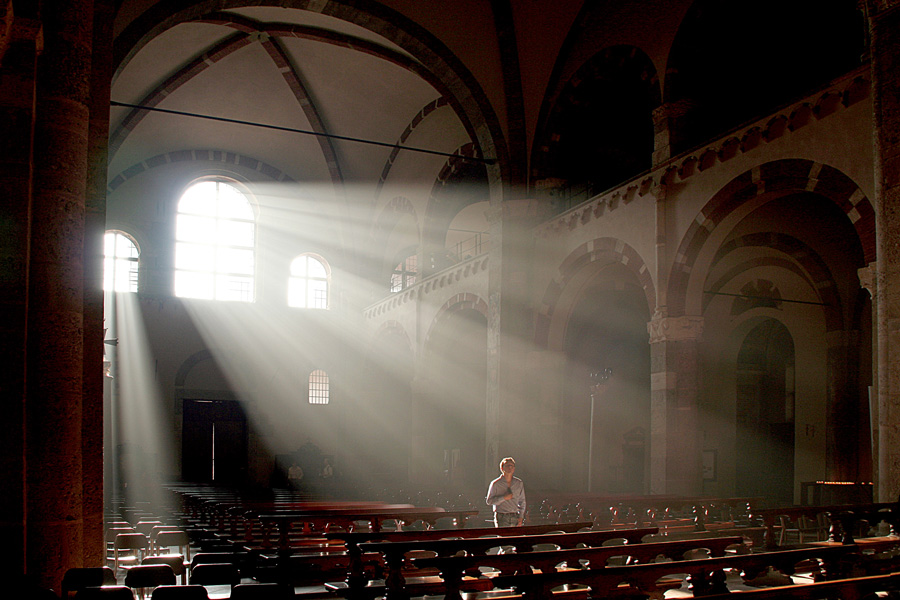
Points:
(452, 569)
(844, 518)
(394, 553)
(705, 576)
(352, 540)
(856, 588)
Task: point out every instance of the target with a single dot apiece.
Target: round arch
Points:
(464, 92)
(576, 269)
(741, 196)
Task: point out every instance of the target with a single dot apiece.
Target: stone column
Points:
(54, 469)
(674, 418)
(884, 30)
(94, 229)
(510, 331)
(18, 65)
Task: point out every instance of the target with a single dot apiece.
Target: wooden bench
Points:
(395, 552)
(705, 576)
(452, 569)
(855, 588)
(844, 519)
(352, 540)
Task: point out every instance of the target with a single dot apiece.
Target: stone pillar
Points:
(94, 229)
(17, 98)
(884, 31)
(674, 418)
(510, 330)
(54, 481)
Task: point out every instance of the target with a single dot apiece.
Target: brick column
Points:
(54, 502)
(884, 30)
(17, 97)
(867, 277)
(674, 419)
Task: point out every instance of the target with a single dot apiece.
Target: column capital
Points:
(674, 329)
(868, 278)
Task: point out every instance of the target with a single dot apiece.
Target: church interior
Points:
(644, 247)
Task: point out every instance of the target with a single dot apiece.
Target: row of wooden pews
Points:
(362, 551)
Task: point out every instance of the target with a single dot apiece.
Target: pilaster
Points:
(674, 419)
(884, 31)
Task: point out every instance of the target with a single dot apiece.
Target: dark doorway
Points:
(214, 442)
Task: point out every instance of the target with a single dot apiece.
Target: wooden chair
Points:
(173, 539)
(128, 550)
(78, 578)
(215, 574)
(143, 576)
(154, 533)
(180, 592)
(176, 561)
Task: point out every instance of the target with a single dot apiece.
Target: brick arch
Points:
(439, 211)
(202, 155)
(459, 302)
(812, 268)
(776, 178)
(585, 254)
(415, 122)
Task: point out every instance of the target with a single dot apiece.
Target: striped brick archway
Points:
(604, 250)
(776, 178)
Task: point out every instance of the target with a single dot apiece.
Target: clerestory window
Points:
(308, 283)
(215, 243)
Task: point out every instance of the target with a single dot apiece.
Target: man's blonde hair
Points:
(507, 460)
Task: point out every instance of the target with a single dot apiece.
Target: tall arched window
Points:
(318, 387)
(215, 243)
(308, 285)
(120, 263)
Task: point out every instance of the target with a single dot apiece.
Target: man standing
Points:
(507, 495)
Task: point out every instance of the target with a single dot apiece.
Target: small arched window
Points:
(215, 243)
(120, 263)
(405, 271)
(308, 284)
(318, 387)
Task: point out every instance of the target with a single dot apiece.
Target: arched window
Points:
(318, 387)
(308, 285)
(215, 243)
(405, 271)
(120, 263)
